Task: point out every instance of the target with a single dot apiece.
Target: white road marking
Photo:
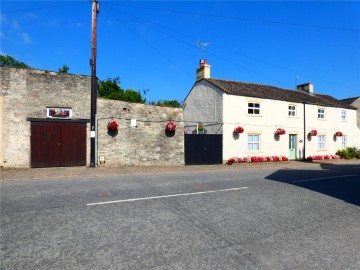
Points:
(167, 196)
(329, 177)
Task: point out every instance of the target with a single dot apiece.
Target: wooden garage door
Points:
(58, 144)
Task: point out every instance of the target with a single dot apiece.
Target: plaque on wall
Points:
(58, 112)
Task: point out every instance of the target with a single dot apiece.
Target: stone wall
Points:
(26, 93)
(143, 144)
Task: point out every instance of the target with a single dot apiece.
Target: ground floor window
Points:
(321, 142)
(253, 142)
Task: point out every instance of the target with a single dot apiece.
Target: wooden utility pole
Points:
(93, 131)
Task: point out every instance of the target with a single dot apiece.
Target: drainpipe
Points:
(304, 155)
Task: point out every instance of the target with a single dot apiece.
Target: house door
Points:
(58, 144)
(292, 146)
(203, 149)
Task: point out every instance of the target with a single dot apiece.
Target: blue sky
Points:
(152, 45)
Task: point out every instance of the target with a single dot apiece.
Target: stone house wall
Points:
(26, 93)
(147, 143)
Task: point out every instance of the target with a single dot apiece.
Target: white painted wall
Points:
(274, 114)
(204, 104)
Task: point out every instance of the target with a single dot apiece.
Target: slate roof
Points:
(276, 93)
(350, 100)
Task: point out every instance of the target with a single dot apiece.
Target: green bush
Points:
(349, 152)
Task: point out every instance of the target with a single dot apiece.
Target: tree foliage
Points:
(7, 60)
(64, 69)
(110, 89)
(169, 103)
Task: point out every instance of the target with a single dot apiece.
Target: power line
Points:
(151, 46)
(245, 19)
(192, 46)
(140, 20)
(45, 7)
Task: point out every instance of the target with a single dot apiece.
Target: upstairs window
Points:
(292, 110)
(321, 113)
(343, 115)
(253, 108)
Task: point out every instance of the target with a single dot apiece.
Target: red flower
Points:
(112, 126)
(170, 126)
(313, 133)
(238, 130)
(338, 134)
(280, 131)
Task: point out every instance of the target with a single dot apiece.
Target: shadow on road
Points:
(338, 181)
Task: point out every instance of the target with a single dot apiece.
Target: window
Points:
(344, 141)
(253, 108)
(321, 142)
(343, 115)
(253, 142)
(292, 110)
(321, 113)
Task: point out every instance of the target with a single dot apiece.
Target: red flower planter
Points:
(112, 126)
(170, 126)
(238, 130)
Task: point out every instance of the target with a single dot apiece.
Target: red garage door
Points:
(58, 144)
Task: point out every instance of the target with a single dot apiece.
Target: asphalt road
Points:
(271, 218)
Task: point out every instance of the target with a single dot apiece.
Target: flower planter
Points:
(238, 130)
(170, 127)
(280, 131)
(112, 126)
(338, 134)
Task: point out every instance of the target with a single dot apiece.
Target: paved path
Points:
(80, 172)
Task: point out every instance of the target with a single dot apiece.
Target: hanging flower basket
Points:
(338, 134)
(170, 126)
(238, 130)
(280, 131)
(313, 133)
(112, 126)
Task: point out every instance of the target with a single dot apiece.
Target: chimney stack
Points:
(306, 87)
(203, 71)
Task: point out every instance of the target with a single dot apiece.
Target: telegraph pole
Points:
(95, 11)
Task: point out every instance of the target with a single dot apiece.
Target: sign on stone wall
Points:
(200, 128)
(58, 113)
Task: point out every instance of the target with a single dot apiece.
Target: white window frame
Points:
(321, 142)
(253, 142)
(255, 110)
(321, 113)
(291, 110)
(343, 115)
(344, 141)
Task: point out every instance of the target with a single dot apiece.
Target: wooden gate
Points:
(58, 143)
(203, 149)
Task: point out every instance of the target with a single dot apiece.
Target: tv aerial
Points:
(202, 45)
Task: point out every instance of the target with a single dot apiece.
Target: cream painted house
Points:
(222, 105)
